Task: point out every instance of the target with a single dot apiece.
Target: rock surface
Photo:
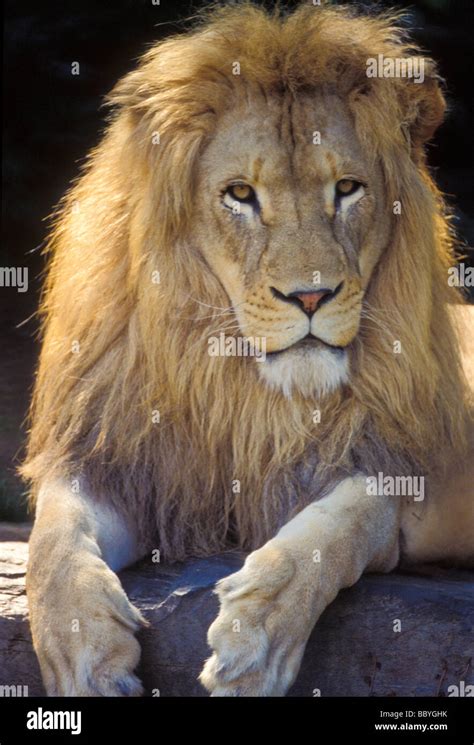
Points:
(353, 651)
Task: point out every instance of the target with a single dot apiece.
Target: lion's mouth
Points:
(308, 342)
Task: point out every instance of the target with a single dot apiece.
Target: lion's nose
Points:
(308, 300)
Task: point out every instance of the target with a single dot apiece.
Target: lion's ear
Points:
(409, 105)
(423, 106)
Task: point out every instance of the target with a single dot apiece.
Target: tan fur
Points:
(143, 346)
(118, 347)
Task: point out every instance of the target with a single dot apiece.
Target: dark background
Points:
(51, 119)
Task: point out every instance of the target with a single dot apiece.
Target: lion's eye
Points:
(241, 199)
(241, 193)
(345, 187)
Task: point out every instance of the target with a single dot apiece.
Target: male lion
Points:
(253, 181)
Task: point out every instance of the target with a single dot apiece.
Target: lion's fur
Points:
(143, 345)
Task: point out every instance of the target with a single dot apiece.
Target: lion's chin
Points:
(310, 371)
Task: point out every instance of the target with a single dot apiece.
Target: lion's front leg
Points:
(270, 606)
(82, 622)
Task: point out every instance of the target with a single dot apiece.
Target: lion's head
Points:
(292, 217)
(253, 181)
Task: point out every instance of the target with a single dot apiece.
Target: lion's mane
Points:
(119, 347)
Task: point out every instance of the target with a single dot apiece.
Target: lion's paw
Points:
(84, 635)
(259, 636)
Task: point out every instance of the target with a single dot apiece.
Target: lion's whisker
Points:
(204, 318)
(216, 307)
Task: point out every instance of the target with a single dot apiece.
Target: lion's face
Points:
(291, 217)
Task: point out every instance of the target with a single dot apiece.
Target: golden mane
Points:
(118, 347)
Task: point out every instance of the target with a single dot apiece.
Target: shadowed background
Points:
(52, 118)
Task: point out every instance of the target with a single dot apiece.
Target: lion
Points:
(253, 182)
